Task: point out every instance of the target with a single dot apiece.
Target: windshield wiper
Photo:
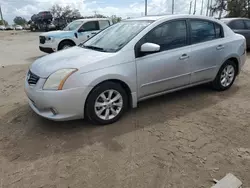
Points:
(94, 48)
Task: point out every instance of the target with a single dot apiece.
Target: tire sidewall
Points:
(217, 83)
(90, 103)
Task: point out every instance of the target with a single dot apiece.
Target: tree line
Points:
(61, 12)
(227, 8)
(231, 8)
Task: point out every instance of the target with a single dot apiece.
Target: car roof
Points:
(231, 19)
(171, 16)
(92, 19)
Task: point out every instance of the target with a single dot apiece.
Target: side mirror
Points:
(150, 47)
(81, 30)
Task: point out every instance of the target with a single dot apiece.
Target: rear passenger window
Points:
(90, 26)
(247, 22)
(237, 24)
(103, 24)
(202, 31)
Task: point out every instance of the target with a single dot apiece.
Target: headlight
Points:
(49, 39)
(57, 79)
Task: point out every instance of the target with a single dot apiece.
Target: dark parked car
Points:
(241, 26)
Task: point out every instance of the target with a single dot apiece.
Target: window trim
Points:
(204, 20)
(141, 41)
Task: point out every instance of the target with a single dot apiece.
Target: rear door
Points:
(207, 49)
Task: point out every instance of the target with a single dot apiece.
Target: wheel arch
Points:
(66, 40)
(236, 61)
(234, 58)
(125, 86)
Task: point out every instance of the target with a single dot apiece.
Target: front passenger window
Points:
(169, 35)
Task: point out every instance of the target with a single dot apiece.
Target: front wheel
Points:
(225, 77)
(106, 103)
(65, 45)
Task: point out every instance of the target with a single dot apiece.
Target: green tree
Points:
(238, 8)
(115, 19)
(219, 7)
(64, 12)
(19, 20)
(3, 22)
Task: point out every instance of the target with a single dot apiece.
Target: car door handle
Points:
(184, 56)
(220, 47)
(93, 33)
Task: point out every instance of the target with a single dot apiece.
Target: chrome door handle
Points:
(184, 56)
(220, 47)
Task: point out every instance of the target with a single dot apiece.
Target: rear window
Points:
(247, 22)
(237, 24)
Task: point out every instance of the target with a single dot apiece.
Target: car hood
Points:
(75, 57)
(57, 33)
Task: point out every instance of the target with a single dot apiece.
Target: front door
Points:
(169, 68)
(87, 30)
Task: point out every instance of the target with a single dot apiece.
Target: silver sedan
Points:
(131, 61)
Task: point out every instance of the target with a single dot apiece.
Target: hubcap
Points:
(108, 104)
(227, 76)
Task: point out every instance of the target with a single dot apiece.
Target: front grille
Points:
(32, 78)
(42, 39)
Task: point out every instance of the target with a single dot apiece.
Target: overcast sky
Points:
(123, 8)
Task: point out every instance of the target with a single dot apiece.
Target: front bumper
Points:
(57, 105)
(49, 47)
(46, 50)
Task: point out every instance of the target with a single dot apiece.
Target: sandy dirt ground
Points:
(184, 139)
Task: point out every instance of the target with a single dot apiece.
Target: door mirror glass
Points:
(150, 47)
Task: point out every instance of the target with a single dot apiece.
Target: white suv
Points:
(76, 32)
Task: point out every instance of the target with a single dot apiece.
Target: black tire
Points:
(217, 85)
(63, 44)
(95, 93)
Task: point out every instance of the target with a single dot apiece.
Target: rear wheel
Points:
(225, 77)
(106, 103)
(65, 44)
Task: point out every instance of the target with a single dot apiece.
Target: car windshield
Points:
(116, 36)
(73, 26)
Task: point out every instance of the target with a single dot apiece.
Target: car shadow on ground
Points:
(27, 136)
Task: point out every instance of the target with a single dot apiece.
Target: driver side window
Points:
(90, 26)
(169, 35)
